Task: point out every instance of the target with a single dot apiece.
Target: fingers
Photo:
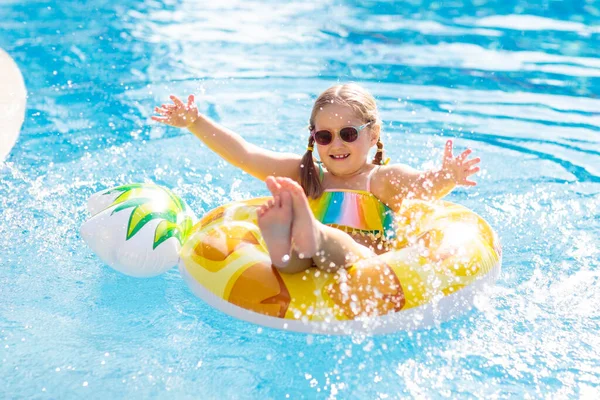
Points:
(177, 103)
(163, 111)
(448, 150)
(461, 167)
(175, 114)
(472, 162)
(176, 100)
(471, 171)
(464, 155)
(464, 181)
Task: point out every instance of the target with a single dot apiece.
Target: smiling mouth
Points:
(340, 156)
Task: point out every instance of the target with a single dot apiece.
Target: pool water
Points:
(517, 81)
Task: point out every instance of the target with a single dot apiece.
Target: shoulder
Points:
(387, 173)
(388, 180)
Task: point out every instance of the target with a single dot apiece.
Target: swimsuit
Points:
(354, 211)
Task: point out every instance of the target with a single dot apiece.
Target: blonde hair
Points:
(365, 107)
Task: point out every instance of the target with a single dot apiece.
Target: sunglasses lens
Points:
(323, 138)
(349, 134)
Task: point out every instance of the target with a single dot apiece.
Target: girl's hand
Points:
(458, 169)
(177, 114)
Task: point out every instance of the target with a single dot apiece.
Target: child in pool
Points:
(336, 211)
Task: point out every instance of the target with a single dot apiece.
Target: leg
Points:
(329, 248)
(338, 249)
(274, 221)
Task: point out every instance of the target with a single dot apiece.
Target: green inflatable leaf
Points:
(151, 202)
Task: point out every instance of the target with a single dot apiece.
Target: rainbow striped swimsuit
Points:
(354, 211)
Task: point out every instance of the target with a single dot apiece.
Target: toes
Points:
(286, 201)
(272, 184)
(294, 188)
(261, 210)
(289, 184)
(273, 202)
(283, 181)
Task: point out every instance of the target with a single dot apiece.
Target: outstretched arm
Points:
(253, 159)
(407, 183)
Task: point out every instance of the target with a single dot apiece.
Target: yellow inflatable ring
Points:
(445, 254)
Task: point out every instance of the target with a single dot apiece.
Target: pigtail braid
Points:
(378, 159)
(309, 176)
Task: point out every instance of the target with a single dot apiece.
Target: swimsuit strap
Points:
(370, 176)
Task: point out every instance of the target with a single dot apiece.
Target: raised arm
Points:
(404, 182)
(253, 159)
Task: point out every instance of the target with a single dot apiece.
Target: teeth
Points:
(340, 156)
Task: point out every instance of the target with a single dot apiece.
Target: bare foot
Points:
(304, 226)
(275, 223)
(273, 186)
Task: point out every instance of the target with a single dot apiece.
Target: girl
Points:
(338, 210)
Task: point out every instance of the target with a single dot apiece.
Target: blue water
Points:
(518, 81)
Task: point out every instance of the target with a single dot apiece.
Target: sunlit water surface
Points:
(518, 83)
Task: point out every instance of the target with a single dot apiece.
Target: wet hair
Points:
(364, 106)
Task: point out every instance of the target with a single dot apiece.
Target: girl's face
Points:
(341, 157)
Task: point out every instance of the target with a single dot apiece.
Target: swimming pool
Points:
(519, 83)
